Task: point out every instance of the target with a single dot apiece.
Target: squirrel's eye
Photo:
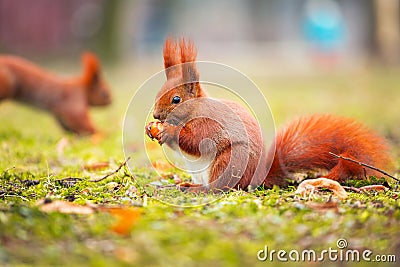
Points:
(176, 99)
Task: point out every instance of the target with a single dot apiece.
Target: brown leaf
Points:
(126, 218)
(65, 207)
(187, 184)
(96, 166)
(366, 188)
(373, 187)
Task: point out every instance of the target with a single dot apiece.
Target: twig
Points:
(376, 187)
(111, 173)
(366, 188)
(366, 165)
(68, 181)
(15, 195)
(351, 188)
(129, 173)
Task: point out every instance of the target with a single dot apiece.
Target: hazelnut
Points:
(153, 129)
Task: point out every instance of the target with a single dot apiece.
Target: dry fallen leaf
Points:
(126, 218)
(187, 184)
(373, 187)
(65, 207)
(96, 166)
(366, 188)
(307, 187)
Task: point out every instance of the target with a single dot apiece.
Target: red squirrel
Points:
(232, 150)
(67, 99)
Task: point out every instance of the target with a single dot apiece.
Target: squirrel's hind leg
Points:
(345, 169)
(229, 170)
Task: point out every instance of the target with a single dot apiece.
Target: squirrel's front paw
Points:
(167, 134)
(153, 129)
(161, 131)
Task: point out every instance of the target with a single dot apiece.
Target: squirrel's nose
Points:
(156, 115)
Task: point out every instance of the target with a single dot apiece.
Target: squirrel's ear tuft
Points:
(91, 68)
(90, 61)
(188, 51)
(189, 70)
(171, 59)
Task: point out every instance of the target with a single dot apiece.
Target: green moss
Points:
(227, 230)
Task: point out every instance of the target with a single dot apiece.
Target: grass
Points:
(228, 231)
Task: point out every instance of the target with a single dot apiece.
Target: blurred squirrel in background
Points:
(67, 99)
(223, 144)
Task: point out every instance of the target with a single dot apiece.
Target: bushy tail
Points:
(304, 145)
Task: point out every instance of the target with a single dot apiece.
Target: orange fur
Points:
(171, 59)
(305, 143)
(188, 51)
(302, 146)
(66, 99)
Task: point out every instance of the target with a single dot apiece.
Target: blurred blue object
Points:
(324, 25)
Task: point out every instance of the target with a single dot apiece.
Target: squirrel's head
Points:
(98, 92)
(182, 78)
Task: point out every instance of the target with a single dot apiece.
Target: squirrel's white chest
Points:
(198, 168)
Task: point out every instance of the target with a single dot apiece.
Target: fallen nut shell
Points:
(308, 186)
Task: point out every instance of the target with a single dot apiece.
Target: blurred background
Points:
(325, 56)
(292, 32)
